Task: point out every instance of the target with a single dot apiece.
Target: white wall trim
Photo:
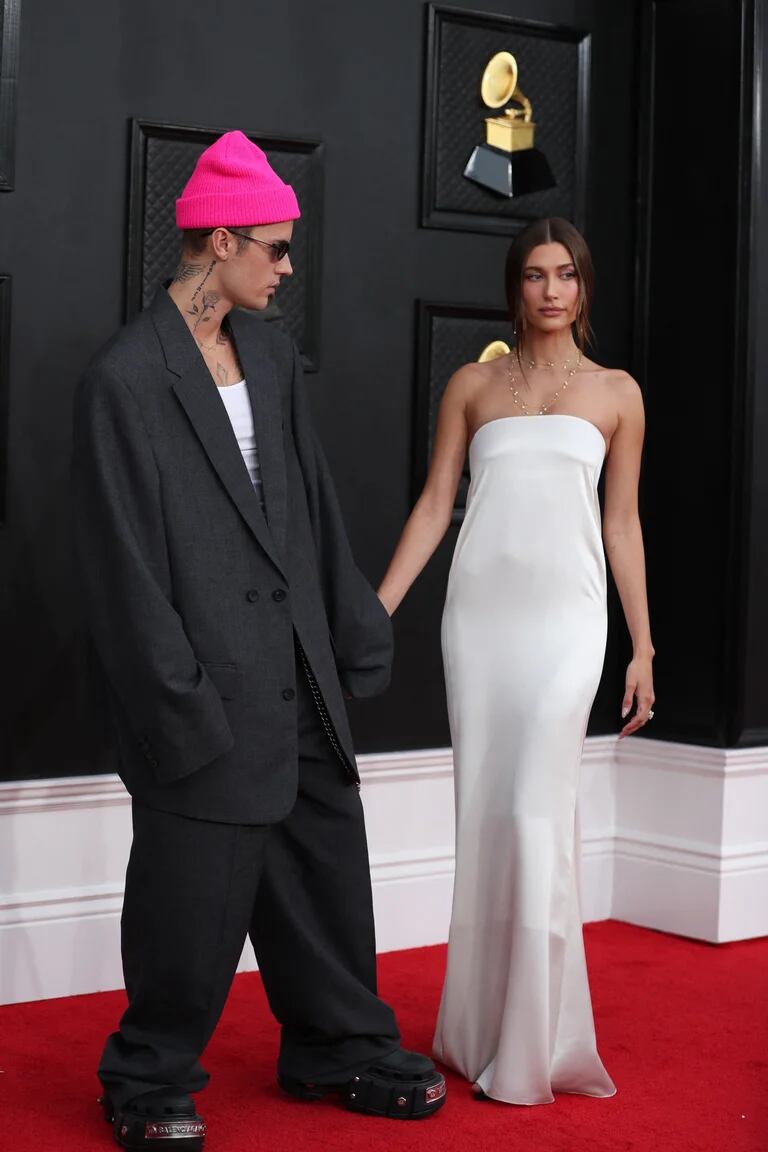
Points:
(62, 795)
(54, 905)
(391, 867)
(699, 760)
(425, 764)
(673, 837)
(70, 793)
(691, 839)
(597, 845)
(692, 854)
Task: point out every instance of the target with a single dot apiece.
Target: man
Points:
(228, 613)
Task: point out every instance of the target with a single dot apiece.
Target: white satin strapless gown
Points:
(523, 634)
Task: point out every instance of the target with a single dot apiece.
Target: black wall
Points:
(352, 75)
(751, 716)
(703, 356)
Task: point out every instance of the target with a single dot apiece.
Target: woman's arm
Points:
(431, 515)
(623, 539)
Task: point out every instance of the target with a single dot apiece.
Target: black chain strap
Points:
(325, 719)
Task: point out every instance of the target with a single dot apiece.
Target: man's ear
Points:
(222, 244)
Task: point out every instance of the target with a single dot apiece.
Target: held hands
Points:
(389, 608)
(639, 686)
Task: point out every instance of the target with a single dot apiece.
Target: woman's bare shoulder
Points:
(622, 386)
(466, 382)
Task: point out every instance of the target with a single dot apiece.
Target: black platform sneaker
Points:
(403, 1085)
(162, 1120)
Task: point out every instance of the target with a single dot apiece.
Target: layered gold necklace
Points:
(549, 364)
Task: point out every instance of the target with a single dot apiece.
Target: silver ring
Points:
(650, 713)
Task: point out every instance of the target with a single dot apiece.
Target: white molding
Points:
(70, 793)
(424, 764)
(692, 854)
(63, 794)
(673, 836)
(393, 867)
(54, 905)
(691, 839)
(696, 759)
(598, 749)
(598, 845)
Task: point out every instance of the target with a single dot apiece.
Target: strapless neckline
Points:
(541, 416)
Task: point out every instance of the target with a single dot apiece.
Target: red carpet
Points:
(682, 1028)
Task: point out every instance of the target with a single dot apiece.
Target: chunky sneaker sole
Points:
(162, 1129)
(380, 1092)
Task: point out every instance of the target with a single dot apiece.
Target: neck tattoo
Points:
(209, 300)
(186, 272)
(221, 338)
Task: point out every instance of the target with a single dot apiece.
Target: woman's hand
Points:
(385, 605)
(431, 517)
(639, 687)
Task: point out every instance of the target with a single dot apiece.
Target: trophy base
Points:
(510, 173)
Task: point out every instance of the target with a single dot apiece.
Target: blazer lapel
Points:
(266, 404)
(198, 396)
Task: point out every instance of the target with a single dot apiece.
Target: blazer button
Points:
(278, 595)
(288, 693)
(252, 595)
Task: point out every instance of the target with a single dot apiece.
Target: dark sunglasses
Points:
(279, 248)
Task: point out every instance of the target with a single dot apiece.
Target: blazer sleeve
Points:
(171, 704)
(361, 629)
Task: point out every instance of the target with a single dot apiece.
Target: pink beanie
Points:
(233, 185)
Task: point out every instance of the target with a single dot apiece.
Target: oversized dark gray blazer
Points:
(191, 595)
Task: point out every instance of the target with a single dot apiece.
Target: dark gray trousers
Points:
(299, 888)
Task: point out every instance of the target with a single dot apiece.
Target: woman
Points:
(523, 645)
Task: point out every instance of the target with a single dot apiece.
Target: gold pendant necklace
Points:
(551, 363)
(542, 411)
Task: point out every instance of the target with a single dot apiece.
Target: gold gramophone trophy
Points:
(493, 350)
(508, 163)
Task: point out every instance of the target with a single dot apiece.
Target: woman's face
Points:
(550, 288)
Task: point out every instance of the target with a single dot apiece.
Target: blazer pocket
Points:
(226, 678)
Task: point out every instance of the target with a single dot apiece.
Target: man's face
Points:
(251, 277)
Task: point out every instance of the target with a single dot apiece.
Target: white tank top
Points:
(238, 405)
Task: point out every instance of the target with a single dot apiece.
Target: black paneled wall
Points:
(750, 724)
(703, 356)
(352, 77)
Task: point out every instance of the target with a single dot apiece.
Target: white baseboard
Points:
(687, 889)
(673, 837)
(691, 839)
(408, 803)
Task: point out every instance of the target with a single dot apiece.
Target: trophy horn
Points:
(493, 350)
(499, 80)
(499, 85)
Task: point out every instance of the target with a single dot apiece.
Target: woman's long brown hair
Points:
(550, 230)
